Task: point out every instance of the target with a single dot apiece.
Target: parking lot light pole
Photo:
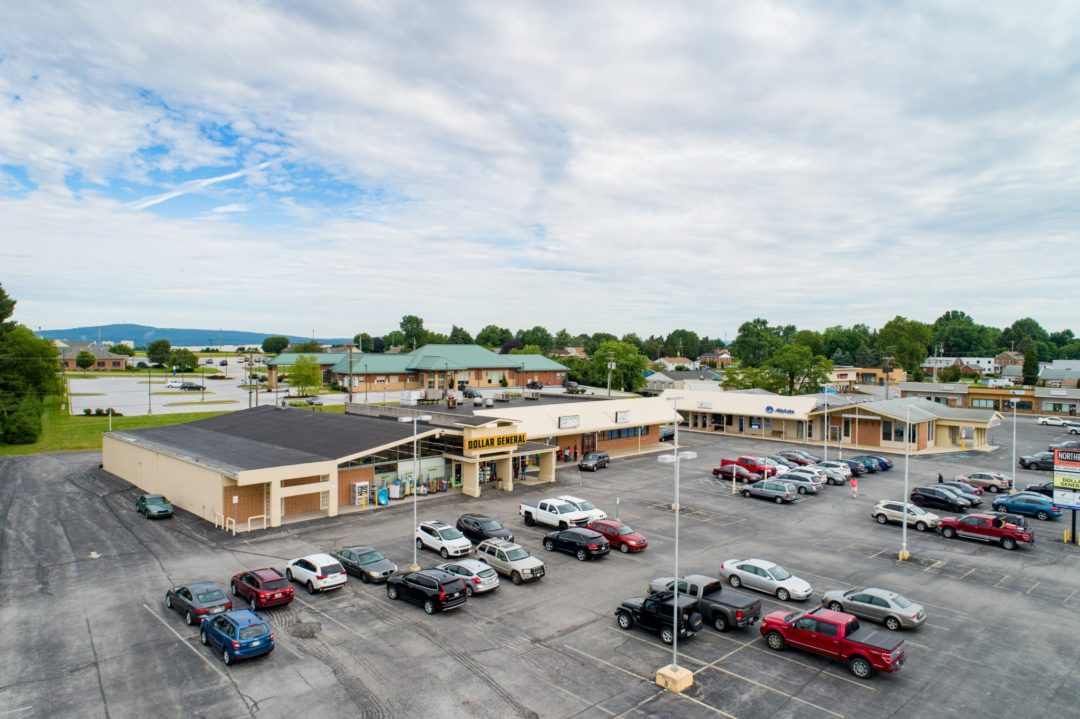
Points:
(672, 677)
(904, 554)
(416, 475)
(825, 430)
(1012, 489)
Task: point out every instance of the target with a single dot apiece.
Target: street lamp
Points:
(825, 430)
(416, 475)
(675, 679)
(1012, 489)
(904, 554)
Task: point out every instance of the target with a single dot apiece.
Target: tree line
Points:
(28, 372)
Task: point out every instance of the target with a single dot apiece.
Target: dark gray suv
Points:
(594, 461)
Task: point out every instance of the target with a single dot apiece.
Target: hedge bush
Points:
(23, 423)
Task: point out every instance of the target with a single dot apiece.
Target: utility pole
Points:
(610, 366)
(350, 373)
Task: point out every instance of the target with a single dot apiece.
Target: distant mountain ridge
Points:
(143, 334)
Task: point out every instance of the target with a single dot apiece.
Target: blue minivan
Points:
(241, 634)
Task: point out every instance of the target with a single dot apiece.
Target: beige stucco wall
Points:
(190, 486)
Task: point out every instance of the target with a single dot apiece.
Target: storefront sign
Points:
(1067, 478)
(569, 421)
(502, 440)
(621, 417)
(778, 410)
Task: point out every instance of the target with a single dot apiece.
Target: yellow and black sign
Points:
(502, 440)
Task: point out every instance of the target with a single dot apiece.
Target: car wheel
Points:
(1008, 543)
(419, 544)
(624, 547)
(625, 620)
(310, 587)
(836, 606)
(948, 533)
(779, 500)
(581, 555)
(921, 526)
(254, 603)
(734, 581)
(515, 578)
(667, 636)
(720, 623)
(288, 574)
(429, 607)
(802, 490)
(746, 493)
(168, 601)
(775, 640)
(892, 624)
(1025, 465)
(1042, 515)
(444, 554)
(468, 590)
(391, 592)
(364, 577)
(226, 657)
(232, 588)
(881, 518)
(529, 520)
(202, 637)
(563, 526)
(860, 668)
(187, 618)
(549, 545)
(782, 594)
(993, 488)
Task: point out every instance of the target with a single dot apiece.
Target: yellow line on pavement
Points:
(1032, 587)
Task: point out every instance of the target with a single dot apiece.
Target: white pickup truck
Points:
(553, 513)
(585, 506)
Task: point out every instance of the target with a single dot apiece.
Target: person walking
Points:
(854, 486)
(940, 479)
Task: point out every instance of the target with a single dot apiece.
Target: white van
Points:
(174, 384)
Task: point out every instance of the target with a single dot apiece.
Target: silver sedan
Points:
(879, 605)
(478, 577)
(765, 576)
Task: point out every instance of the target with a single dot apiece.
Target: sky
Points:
(622, 167)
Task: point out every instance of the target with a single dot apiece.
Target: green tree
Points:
(841, 358)
(305, 374)
(1062, 338)
(632, 339)
(1026, 329)
(458, 336)
(184, 360)
(1070, 351)
(865, 356)
(28, 365)
(307, 347)
(85, 360)
(593, 341)
(395, 338)
(811, 340)
(435, 338)
(275, 344)
(799, 369)
(363, 341)
(1030, 369)
(7, 309)
(562, 339)
(120, 349)
(538, 336)
(682, 343)
(958, 334)
(653, 347)
(907, 340)
(158, 351)
(494, 336)
(629, 366)
(22, 425)
(752, 378)
(413, 329)
(756, 342)
(527, 350)
(949, 374)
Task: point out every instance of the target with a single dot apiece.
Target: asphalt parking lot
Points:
(83, 577)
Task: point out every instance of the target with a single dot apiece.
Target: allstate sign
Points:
(778, 410)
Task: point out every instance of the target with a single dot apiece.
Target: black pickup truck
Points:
(721, 608)
(656, 613)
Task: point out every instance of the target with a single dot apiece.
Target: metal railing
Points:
(224, 523)
(257, 516)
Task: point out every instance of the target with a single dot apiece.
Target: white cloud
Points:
(814, 164)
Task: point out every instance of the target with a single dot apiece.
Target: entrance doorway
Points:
(588, 443)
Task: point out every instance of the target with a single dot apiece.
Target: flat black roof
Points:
(270, 436)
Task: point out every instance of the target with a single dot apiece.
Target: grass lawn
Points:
(60, 431)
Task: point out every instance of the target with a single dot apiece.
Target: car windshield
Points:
(156, 499)
(624, 530)
(586, 506)
(254, 631)
(450, 533)
(565, 508)
(515, 554)
(210, 595)
(913, 509)
(490, 525)
(901, 602)
(779, 573)
(334, 568)
(590, 457)
(485, 573)
(276, 584)
(369, 557)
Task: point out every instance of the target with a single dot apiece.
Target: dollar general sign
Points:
(502, 440)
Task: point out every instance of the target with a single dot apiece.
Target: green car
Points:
(153, 506)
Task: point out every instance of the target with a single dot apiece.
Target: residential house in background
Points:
(716, 358)
(104, 360)
(569, 352)
(671, 363)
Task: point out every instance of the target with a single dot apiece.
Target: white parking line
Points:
(628, 635)
(184, 641)
(9, 712)
(607, 663)
(792, 697)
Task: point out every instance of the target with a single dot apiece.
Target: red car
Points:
(835, 635)
(619, 535)
(757, 465)
(262, 587)
(986, 528)
(742, 475)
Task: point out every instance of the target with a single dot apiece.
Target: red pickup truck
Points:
(836, 635)
(986, 528)
(751, 464)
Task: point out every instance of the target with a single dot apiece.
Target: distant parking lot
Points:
(82, 580)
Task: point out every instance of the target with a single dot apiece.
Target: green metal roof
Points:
(374, 364)
(287, 359)
(538, 363)
(434, 358)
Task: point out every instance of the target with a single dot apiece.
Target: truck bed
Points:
(877, 637)
(728, 598)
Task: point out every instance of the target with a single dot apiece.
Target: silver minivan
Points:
(775, 490)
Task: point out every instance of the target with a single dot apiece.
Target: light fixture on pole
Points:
(672, 677)
(416, 475)
(904, 554)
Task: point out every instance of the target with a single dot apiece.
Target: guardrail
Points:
(257, 516)
(224, 523)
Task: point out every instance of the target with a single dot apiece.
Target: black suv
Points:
(582, 543)
(534, 384)
(432, 589)
(656, 613)
(1039, 460)
(594, 461)
(191, 386)
(478, 527)
(1046, 489)
(939, 498)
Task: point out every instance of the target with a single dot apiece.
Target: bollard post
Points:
(616, 508)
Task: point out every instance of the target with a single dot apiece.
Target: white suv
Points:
(317, 572)
(173, 384)
(585, 505)
(443, 538)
